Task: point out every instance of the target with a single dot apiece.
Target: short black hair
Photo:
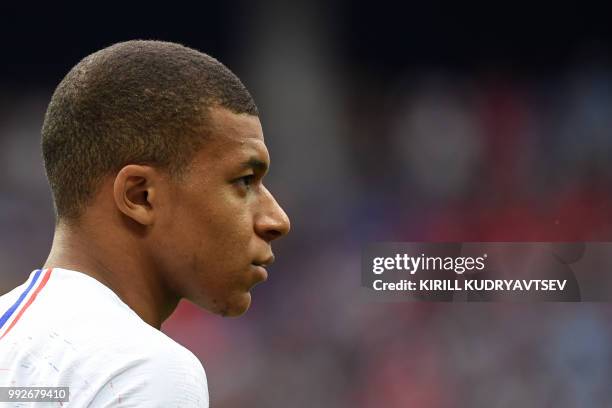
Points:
(141, 102)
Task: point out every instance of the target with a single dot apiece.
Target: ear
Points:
(135, 192)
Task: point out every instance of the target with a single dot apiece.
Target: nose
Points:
(271, 222)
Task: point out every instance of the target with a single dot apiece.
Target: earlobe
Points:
(134, 193)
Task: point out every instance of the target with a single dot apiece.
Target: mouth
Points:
(267, 261)
(259, 268)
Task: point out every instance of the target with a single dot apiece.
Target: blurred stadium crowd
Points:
(431, 155)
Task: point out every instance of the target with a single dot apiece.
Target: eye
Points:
(245, 181)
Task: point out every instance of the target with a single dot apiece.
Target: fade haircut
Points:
(135, 102)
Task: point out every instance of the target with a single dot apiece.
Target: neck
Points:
(114, 263)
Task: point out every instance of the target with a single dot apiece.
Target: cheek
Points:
(212, 254)
(225, 220)
(214, 232)
(209, 228)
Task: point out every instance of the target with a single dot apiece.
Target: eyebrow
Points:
(256, 164)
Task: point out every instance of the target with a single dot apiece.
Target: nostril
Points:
(273, 234)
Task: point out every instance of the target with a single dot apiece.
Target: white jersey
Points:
(65, 329)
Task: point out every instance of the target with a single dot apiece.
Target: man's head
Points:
(165, 143)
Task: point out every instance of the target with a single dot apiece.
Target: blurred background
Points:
(436, 122)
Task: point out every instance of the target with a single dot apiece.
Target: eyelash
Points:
(246, 181)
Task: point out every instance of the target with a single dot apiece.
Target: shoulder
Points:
(100, 348)
(160, 373)
(144, 367)
(163, 352)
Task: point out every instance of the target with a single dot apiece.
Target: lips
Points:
(260, 272)
(259, 268)
(265, 261)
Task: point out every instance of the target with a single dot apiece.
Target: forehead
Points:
(233, 139)
(232, 132)
(234, 126)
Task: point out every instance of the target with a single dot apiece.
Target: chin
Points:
(236, 305)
